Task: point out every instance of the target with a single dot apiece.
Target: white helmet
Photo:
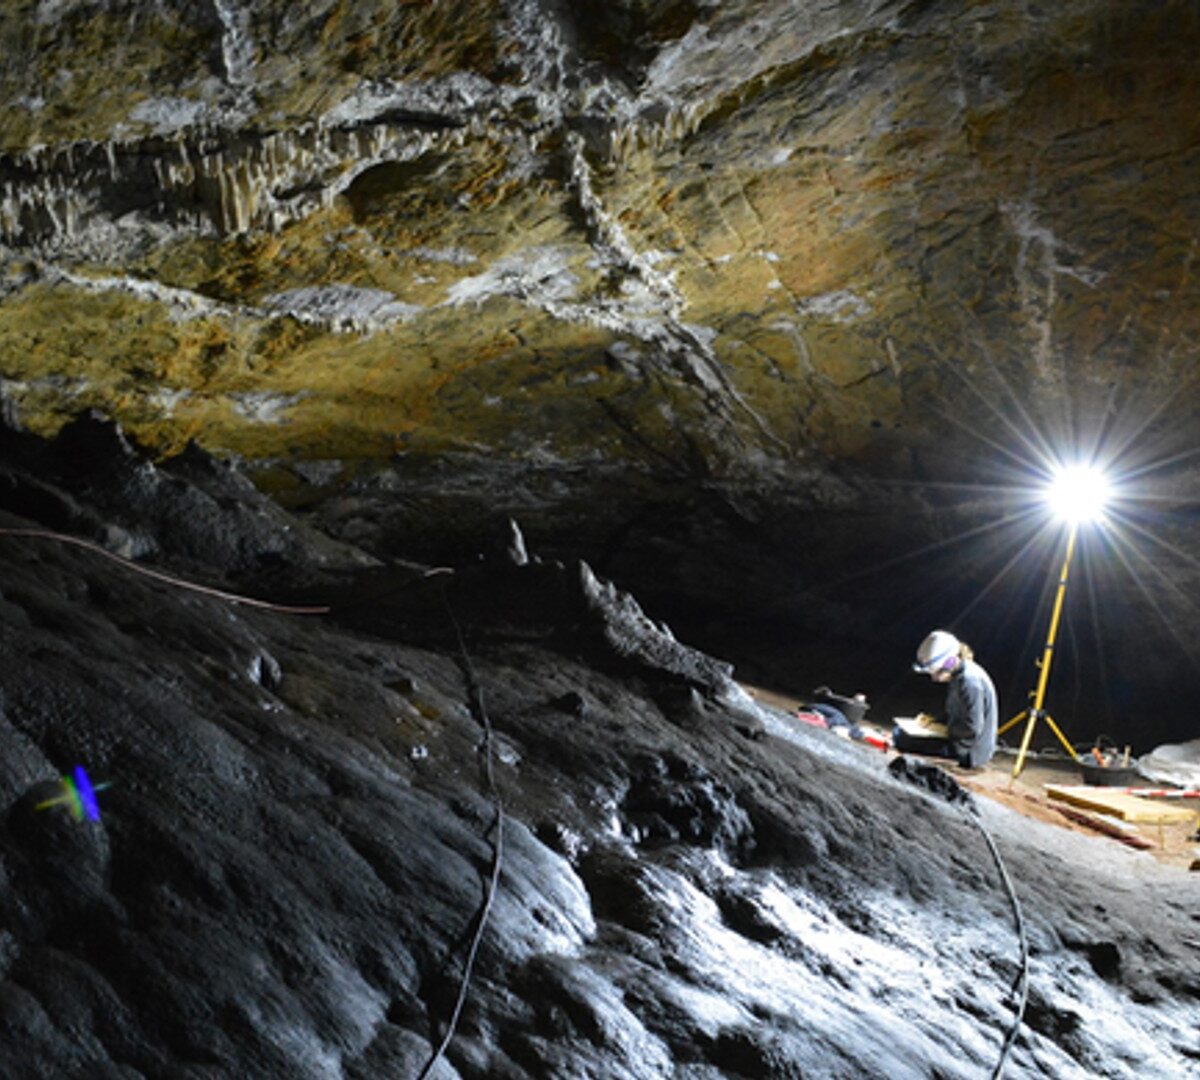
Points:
(936, 652)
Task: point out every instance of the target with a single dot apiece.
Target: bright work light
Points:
(1078, 493)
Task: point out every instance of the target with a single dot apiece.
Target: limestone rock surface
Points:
(703, 231)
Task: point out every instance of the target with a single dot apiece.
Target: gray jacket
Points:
(971, 714)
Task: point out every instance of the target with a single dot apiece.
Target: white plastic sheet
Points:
(1173, 763)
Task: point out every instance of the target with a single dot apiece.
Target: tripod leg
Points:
(1013, 722)
(1061, 737)
(1025, 740)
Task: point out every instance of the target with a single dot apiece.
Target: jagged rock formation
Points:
(305, 814)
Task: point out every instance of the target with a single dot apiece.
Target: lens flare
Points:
(86, 795)
(79, 794)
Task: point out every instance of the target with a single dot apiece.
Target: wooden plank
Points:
(1120, 805)
(1105, 825)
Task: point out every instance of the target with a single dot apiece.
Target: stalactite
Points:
(234, 182)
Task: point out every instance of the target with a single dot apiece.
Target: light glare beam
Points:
(1123, 548)
(1027, 431)
(1162, 463)
(987, 440)
(1137, 432)
(1003, 572)
(924, 549)
(1149, 537)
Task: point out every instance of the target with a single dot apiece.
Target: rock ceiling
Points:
(765, 241)
(336, 230)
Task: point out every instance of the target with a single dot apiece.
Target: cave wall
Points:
(666, 281)
(338, 800)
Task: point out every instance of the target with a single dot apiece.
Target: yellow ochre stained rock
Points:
(334, 230)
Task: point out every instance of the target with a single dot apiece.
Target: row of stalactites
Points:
(628, 138)
(238, 187)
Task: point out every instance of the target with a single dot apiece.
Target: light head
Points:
(1078, 494)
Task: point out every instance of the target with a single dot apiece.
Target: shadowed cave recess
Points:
(554, 378)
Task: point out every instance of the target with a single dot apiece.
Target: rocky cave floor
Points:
(295, 849)
(1172, 843)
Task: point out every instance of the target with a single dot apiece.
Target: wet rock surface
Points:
(305, 814)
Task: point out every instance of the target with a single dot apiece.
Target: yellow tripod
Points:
(1035, 712)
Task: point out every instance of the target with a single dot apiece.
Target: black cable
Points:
(475, 692)
(1022, 982)
(478, 708)
(937, 781)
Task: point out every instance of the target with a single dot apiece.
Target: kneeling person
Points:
(971, 711)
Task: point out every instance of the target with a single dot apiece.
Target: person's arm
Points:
(969, 716)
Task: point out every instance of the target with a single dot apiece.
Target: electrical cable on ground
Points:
(475, 692)
(1022, 984)
(937, 781)
(1051, 753)
(478, 708)
(158, 575)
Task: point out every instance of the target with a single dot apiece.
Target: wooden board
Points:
(1103, 823)
(1119, 805)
